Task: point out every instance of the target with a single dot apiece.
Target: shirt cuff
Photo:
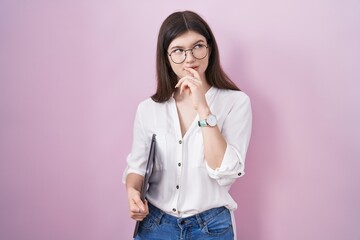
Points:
(130, 170)
(232, 167)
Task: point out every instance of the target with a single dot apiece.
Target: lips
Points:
(195, 68)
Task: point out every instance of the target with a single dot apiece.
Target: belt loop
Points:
(159, 217)
(200, 221)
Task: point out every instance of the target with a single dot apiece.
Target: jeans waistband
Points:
(199, 218)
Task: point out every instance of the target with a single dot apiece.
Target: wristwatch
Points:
(210, 121)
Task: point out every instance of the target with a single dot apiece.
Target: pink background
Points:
(73, 72)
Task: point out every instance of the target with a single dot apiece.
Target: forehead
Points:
(187, 39)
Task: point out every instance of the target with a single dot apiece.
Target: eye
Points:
(178, 51)
(199, 46)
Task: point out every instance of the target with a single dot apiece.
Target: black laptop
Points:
(149, 168)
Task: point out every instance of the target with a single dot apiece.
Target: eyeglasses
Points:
(199, 51)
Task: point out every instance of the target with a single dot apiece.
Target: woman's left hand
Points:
(194, 85)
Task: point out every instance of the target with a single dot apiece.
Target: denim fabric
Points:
(213, 224)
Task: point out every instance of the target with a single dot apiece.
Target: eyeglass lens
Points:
(199, 52)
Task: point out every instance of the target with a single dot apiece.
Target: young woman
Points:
(202, 123)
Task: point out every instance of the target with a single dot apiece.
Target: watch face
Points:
(211, 120)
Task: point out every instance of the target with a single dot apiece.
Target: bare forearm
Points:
(134, 182)
(214, 146)
(214, 143)
(138, 208)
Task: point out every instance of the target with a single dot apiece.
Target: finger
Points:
(139, 203)
(183, 87)
(138, 214)
(189, 71)
(146, 207)
(195, 81)
(187, 84)
(193, 71)
(135, 209)
(138, 217)
(180, 82)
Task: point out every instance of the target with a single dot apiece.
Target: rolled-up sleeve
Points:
(236, 130)
(136, 160)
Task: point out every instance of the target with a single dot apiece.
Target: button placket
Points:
(178, 174)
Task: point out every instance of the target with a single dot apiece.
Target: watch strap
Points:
(202, 123)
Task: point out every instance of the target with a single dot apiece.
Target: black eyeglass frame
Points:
(191, 50)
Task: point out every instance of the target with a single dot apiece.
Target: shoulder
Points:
(232, 104)
(152, 115)
(232, 96)
(148, 105)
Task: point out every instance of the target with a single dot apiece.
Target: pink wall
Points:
(73, 72)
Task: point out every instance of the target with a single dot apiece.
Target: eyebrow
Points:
(175, 47)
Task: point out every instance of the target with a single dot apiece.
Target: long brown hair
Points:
(173, 26)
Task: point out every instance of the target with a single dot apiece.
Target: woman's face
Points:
(186, 41)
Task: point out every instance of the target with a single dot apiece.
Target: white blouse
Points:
(182, 184)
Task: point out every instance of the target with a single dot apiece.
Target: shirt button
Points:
(179, 164)
(239, 174)
(180, 142)
(174, 209)
(177, 186)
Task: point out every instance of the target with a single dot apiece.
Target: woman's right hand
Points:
(138, 209)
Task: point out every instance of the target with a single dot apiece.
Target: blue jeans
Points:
(214, 224)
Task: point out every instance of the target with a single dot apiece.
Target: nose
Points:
(189, 57)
